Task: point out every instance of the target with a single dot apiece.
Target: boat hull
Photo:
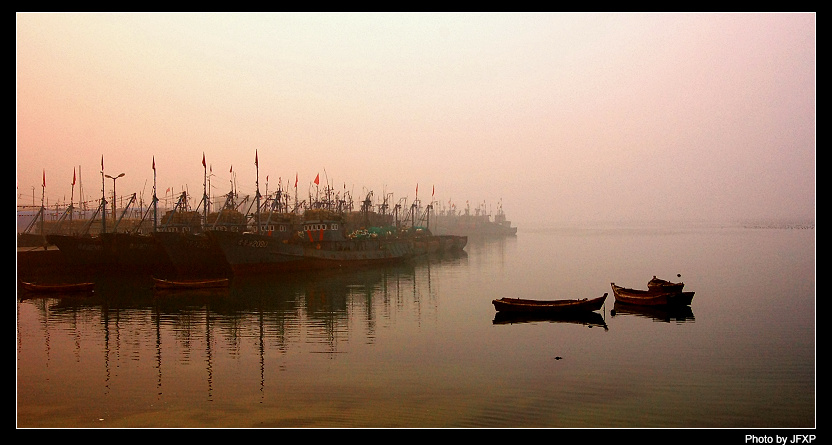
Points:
(258, 253)
(261, 253)
(162, 284)
(82, 250)
(650, 298)
(136, 251)
(193, 254)
(439, 244)
(58, 288)
(518, 305)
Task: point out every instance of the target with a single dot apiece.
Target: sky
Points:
(553, 117)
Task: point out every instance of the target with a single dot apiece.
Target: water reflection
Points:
(664, 314)
(415, 346)
(588, 319)
(126, 319)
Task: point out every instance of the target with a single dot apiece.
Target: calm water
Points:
(417, 346)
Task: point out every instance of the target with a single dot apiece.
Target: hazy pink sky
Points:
(564, 117)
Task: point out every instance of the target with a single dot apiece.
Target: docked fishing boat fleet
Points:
(314, 240)
(271, 238)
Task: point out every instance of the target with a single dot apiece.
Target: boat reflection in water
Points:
(585, 318)
(313, 308)
(664, 314)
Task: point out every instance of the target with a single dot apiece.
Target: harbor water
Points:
(417, 345)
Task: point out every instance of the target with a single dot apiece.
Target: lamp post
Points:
(114, 192)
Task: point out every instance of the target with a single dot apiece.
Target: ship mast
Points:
(257, 186)
(155, 199)
(204, 192)
(103, 200)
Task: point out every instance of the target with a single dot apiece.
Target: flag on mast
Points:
(317, 179)
(203, 159)
(73, 175)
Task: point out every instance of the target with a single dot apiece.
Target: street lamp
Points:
(114, 193)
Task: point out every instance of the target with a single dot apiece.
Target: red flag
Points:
(203, 159)
(73, 176)
(102, 163)
(317, 179)
(433, 192)
(231, 169)
(296, 180)
(255, 157)
(154, 163)
(44, 178)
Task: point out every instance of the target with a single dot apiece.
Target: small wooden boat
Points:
(650, 298)
(659, 285)
(548, 306)
(58, 288)
(162, 284)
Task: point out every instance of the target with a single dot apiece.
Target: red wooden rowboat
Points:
(162, 284)
(650, 298)
(548, 306)
(58, 288)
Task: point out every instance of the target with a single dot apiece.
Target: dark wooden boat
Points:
(650, 298)
(58, 288)
(548, 306)
(659, 285)
(162, 284)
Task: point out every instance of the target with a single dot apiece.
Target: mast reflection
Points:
(125, 318)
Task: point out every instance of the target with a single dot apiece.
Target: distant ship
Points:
(478, 224)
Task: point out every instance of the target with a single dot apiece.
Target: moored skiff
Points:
(650, 298)
(57, 288)
(159, 283)
(548, 306)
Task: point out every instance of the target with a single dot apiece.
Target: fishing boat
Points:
(650, 298)
(425, 242)
(159, 283)
(476, 224)
(192, 254)
(319, 243)
(548, 306)
(135, 251)
(58, 288)
(659, 285)
(82, 250)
